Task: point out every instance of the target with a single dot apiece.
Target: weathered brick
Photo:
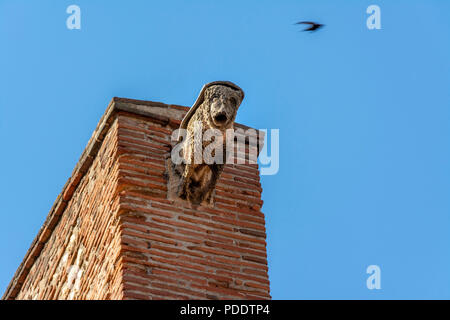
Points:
(114, 222)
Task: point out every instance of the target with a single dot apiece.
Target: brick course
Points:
(113, 234)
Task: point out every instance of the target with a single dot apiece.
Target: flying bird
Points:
(313, 25)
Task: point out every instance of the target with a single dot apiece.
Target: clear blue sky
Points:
(364, 119)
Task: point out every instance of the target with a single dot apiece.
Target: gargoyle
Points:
(215, 108)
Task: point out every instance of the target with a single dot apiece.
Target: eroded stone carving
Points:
(215, 110)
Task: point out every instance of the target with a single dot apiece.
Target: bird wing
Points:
(306, 22)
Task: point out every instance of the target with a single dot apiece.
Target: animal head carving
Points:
(220, 106)
(219, 102)
(215, 108)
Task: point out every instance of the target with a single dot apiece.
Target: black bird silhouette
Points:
(313, 26)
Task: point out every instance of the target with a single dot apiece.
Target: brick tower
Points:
(113, 233)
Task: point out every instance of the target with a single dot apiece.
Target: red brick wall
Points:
(85, 243)
(128, 241)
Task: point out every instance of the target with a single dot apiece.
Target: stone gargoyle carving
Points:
(194, 179)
